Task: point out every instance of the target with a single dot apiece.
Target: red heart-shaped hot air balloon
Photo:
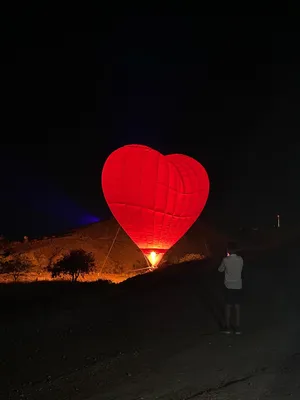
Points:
(155, 198)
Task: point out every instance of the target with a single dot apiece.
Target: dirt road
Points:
(158, 338)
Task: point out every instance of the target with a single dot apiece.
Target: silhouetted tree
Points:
(76, 263)
(15, 267)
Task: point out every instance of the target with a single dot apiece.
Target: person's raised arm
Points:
(222, 266)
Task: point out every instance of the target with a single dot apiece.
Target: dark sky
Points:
(225, 91)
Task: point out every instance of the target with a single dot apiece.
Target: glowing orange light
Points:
(152, 257)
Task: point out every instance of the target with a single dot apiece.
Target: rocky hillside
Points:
(124, 259)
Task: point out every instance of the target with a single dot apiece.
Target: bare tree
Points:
(76, 263)
(16, 267)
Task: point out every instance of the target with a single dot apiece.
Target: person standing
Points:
(232, 266)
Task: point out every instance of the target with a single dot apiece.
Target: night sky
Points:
(225, 91)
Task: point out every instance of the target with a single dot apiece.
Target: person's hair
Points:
(232, 248)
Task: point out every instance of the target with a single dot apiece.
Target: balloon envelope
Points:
(155, 198)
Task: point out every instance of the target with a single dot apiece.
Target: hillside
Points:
(124, 260)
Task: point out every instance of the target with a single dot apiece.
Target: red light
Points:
(155, 198)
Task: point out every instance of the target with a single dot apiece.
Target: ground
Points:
(156, 336)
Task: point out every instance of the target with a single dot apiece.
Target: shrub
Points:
(75, 264)
(16, 267)
(191, 257)
(171, 260)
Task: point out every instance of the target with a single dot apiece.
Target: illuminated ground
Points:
(28, 278)
(156, 337)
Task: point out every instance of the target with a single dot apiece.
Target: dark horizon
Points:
(225, 94)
